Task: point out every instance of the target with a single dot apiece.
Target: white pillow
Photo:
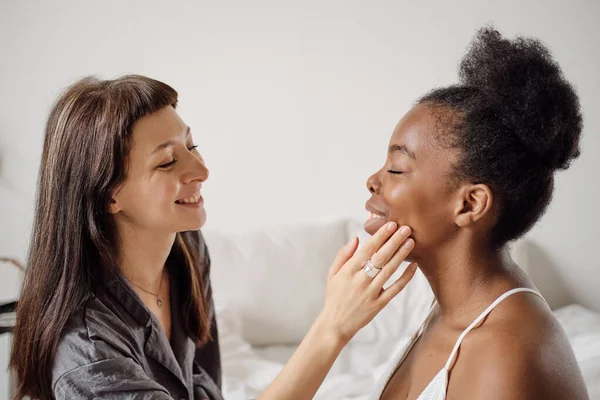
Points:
(274, 278)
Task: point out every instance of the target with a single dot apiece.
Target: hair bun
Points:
(532, 97)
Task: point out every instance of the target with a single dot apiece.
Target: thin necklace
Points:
(157, 295)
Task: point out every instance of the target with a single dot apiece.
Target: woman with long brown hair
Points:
(116, 301)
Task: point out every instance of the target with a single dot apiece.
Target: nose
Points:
(374, 183)
(196, 170)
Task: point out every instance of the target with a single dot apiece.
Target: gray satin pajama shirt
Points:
(114, 348)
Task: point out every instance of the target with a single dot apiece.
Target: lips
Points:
(374, 212)
(376, 219)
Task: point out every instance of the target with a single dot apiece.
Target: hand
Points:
(353, 298)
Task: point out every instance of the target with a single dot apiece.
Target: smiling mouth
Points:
(190, 200)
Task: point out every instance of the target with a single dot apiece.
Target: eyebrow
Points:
(403, 149)
(169, 143)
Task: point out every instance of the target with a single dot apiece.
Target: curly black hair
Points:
(516, 120)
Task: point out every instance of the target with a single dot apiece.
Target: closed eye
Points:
(172, 162)
(395, 172)
(167, 165)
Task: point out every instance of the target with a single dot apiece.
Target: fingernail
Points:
(351, 242)
(408, 243)
(405, 230)
(391, 226)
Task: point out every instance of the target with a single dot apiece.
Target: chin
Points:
(189, 229)
(194, 226)
(190, 224)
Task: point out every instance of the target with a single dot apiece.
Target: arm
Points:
(115, 378)
(351, 301)
(502, 379)
(307, 368)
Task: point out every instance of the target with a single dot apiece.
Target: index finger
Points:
(359, 258)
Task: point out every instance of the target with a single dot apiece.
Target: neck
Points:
(142, 256)
(465, 279)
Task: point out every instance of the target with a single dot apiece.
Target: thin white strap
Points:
(482, 316)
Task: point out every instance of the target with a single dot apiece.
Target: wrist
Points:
(329, 333)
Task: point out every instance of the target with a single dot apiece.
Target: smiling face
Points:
(413, 187)
(164, 176)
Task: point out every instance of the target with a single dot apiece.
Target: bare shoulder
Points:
(520, 351)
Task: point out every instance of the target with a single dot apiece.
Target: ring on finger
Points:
(370, 268)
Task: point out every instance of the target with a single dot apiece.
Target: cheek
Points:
(151, 193)
(418, 206)
(162, 191)
(404, 203)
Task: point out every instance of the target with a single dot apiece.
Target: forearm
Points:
(307, 368)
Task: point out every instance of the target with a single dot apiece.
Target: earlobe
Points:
(476, 202)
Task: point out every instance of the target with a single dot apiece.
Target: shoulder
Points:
(502, 362)
(93, 333)
(521, 352)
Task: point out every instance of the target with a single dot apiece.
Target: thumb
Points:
(343, 255)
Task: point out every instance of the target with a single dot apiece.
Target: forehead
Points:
(157, 128)
(420, 131)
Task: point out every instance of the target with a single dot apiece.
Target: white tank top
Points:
(437, 388)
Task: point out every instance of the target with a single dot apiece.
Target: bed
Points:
(268, 289)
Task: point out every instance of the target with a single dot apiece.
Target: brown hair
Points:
(73, 245)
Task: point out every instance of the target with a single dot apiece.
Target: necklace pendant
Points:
(159, 302)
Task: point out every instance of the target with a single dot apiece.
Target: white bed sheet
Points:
(247, 371)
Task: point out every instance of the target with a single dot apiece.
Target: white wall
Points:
(291, 102)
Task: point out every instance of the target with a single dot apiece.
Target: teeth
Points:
(190, 200)
(372, 216)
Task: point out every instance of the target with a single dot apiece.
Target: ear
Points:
(114, 206)
(475, 202)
